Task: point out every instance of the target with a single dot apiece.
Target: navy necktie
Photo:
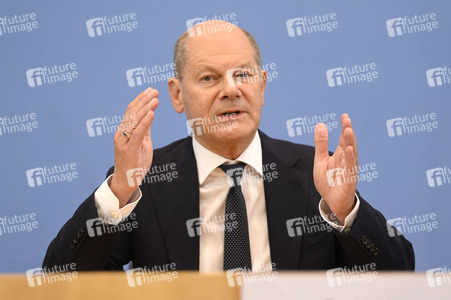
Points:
(237, 250)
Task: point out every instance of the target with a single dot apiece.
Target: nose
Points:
(229, 90)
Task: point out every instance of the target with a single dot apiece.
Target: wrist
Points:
(342, 212)
(122, 191)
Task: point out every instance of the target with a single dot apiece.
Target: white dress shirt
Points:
(213, 189)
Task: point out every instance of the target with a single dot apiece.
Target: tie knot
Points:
(235, 171)
(237, 166)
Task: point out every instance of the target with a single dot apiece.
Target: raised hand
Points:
(336, 176)
(133, 150)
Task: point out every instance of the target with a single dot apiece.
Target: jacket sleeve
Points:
(372, 240)
(88, 242)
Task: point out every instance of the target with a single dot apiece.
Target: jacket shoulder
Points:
(291, 153)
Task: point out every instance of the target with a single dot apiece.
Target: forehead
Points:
(220, 49)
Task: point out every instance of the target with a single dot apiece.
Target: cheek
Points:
(198, 103)
(255, 99)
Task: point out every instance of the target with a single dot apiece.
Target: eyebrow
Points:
(204, 67)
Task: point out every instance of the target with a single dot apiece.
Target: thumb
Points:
(321, 142)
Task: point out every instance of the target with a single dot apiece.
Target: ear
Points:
(264, 78)
(175, 92)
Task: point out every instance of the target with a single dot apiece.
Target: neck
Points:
(230, 149)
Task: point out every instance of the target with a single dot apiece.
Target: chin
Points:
(234, 135)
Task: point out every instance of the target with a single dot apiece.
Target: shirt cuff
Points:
(330, 218)
(107, 203)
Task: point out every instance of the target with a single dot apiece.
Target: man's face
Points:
(222, 77)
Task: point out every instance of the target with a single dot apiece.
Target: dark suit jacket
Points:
(161, 236)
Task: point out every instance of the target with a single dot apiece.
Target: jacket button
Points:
(75, 240)
(73, 245)
(80, 234)
(364, 239)
(372, 247)
(376, 251)
(83, 229)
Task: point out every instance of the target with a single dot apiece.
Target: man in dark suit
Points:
(230, 196)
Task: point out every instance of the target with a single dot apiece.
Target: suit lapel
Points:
(286, 198)
(176, 203)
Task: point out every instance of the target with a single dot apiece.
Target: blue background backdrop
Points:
(300, 89)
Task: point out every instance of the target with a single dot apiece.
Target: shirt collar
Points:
(207, 160)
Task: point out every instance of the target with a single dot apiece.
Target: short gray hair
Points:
(181, 49)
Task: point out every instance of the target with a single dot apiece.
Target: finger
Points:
(321, 138)
(134, 107)
(140, 96)
(347, 124)
(350, 138)
(135, 113)
(132, 123)
(144, 126)
(144, 100)
(142, 130)
(338, 153)
(130, 112)
(344, 116)
(349, 160)
(352, 172)
(341, 142)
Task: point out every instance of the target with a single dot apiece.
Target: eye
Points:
(207, 78)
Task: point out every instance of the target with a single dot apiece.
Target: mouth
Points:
(231, 113)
